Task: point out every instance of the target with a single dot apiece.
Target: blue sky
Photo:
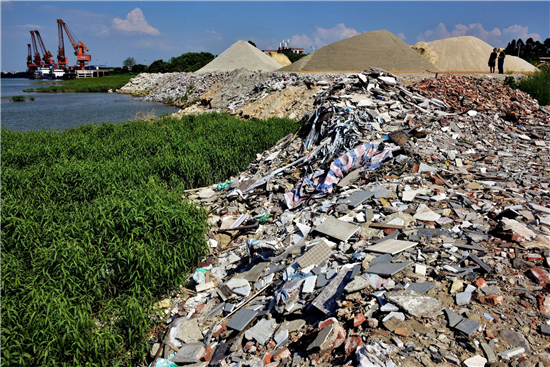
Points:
(154, 30)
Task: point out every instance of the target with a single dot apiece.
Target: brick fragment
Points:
(540, 276)
(352, 343)
(208, 355)
(220, 329)
(401, 332)
(281, 354)
(359, 319)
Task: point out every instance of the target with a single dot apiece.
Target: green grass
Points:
(18, 98)
(95, 230)
(537, 85)
(87, 85)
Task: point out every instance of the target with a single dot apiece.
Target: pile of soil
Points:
(468, 53)
(280, 58)
(381, 49)
(241, 54)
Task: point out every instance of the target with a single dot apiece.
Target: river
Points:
(67, 110)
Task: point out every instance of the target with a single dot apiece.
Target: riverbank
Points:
(95, 230)
(86, 85)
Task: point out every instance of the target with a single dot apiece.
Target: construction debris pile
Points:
(463, 94)
(388, 231)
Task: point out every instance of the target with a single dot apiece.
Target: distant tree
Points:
(191, 61)
(139, 68)
(129, 62)
(159, 66)
(295, 57)
(529, 50)
(252, 43)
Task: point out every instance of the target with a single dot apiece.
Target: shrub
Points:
(537, 85)
(18, 98)
(94, 229)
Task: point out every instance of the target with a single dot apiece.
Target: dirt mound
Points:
(280, 58)
(423, 49)
(381, 49)
(241, 54)
(469, 53)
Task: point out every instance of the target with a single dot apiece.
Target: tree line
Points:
(529, 50)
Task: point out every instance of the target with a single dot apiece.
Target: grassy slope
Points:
(87, 85)
(94, 229)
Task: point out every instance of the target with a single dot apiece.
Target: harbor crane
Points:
(61, 59)
(30, 65)
(79, 47)
(47, 54)
(37, 60)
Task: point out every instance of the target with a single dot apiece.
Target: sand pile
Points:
(282, 59)
(381, 49)
(423, 49)
(469, 53)
(241, 54)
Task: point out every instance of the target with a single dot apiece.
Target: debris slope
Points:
(396, 227)
(380, 49)
(241, 54)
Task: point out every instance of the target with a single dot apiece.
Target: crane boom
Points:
(47, 54)
(61, 59)
(29, 56)
(37, 59)
(79, 46)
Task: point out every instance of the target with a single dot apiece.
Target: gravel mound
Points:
(241, 54)
(381, 49)
(469, 53)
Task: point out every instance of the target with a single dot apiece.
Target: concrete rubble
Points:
(396, 227)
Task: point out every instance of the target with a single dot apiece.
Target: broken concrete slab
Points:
(414, 304)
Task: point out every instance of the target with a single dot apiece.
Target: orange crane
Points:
(47, 54)
(37, 60)
(61, 59)
(79, 47)
(29, 57)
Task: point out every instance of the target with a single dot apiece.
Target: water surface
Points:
(67, 110)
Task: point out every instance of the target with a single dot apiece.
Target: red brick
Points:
(401, 332)
(219, 330)
(492, 299)
(352, 343)
(324, 324)
(389, 230)
(267, 358)
(340, 338)
(359, 319)
(208, 354)
(489, 334)
(281, 354)
(534, 257)
(524, 304)
(200, 308)
(539, 275)
(480, 283)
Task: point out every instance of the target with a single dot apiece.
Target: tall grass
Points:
(537, 85)
(87, 85)
(95, 231)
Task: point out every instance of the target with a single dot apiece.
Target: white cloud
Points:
(494, 37)
(402, 36)
(517, 31)
(322, 36)
(214, 35)
(31, 26)
(300, 40)
(135, 22)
